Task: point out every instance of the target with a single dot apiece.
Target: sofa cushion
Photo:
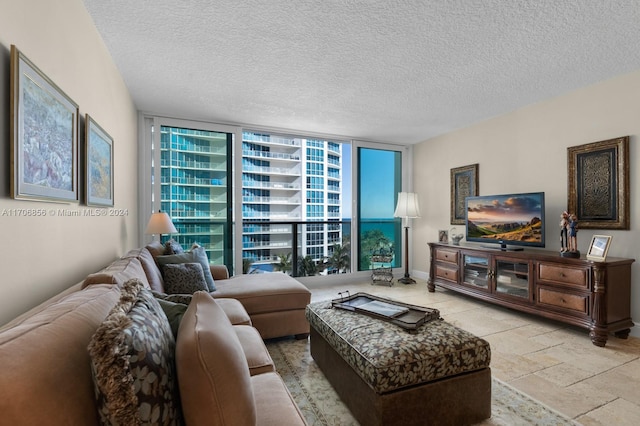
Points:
(215, 386)
(132, 360)
(156, 248)
(274, 403)
(183, 278)
(151, 270)
(118, 272)
(46, 379)
(258, 359)
(197, 254)
(265, 293)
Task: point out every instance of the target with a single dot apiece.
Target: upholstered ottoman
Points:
(386, 375)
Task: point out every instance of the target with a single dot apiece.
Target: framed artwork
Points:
(464, 183)
(443, 236)
(599, 184)
(99, 164)
(44, 135)
(599, 247)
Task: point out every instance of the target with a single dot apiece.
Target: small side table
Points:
(382, 273)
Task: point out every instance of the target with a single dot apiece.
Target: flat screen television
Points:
(506, 220)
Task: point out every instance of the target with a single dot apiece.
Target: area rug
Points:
(321, 405)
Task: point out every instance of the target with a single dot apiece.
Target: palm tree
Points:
(340, 259)
(308, 267)
(284, 263)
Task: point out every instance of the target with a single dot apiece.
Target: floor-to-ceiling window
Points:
(379, 181)
(263, 202)
(193, 166)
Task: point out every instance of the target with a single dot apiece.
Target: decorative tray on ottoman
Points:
(404, 315)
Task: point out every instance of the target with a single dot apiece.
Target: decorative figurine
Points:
(569, 235)
(573, 232)
(564, 224)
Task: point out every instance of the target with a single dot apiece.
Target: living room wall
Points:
(526, 151)
(43, 255)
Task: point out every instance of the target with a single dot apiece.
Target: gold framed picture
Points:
(599, 247)
(599, 184)
(464, 183)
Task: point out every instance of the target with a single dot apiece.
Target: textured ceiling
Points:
(378, 70)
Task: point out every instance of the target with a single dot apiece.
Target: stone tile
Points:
(510, 367)
(619, 412)
(622, 382)
(563, 400)
(564, 374)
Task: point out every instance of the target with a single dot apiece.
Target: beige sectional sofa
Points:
(223, 371)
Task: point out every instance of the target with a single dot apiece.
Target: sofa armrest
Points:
(219, 272)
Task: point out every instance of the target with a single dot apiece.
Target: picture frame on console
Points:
(464, 183)
(599, 247)
(599, 184)
(44, 133)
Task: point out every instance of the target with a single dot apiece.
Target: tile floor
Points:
(552, 362)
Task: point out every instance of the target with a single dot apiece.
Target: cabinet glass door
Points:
(475, 271)
(512, 278)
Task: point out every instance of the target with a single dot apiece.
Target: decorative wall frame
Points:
(464, 183)
(599, 184)
(599, 247)
(44, 133)
(99, 165)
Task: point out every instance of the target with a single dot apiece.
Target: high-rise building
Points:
(194, 192)
(284, 180)
(289, 179)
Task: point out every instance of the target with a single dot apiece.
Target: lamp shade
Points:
(407, 205)
(160, 223)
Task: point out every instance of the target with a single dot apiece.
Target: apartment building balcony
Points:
(270, 155)
(272, 185)
(270, 139)
(174, 180)
(194, 165)
(271, 200)
(191, 148)
(266, 245)
(267, 170)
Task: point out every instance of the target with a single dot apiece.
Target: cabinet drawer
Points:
(578, 303)
(574, 277)
(447, 273)
(448, 256)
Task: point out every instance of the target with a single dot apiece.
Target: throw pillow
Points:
(133, 362)
(197, 254)
(172, 247)
(174, 312)
(183, 278)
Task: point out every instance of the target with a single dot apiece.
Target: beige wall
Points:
(42, 256)
(526, 151)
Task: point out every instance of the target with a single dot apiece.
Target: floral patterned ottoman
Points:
(437, 374)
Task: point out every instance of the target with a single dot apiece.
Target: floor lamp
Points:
(160, 223)
(407, 208)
